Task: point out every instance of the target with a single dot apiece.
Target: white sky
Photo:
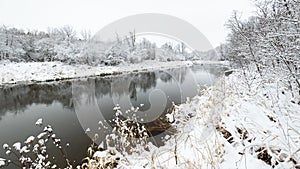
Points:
(209, 16)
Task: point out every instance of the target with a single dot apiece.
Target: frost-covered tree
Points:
(62, 44)
(67, 32)
(268, 41)
(85, 34)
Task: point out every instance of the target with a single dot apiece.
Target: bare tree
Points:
(269, 41)
(85, 34)
(68, 32)
(132, 37)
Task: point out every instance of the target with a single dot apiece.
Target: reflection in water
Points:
(16, 99)
(21, 106)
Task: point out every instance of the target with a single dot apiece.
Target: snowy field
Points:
(23, 73)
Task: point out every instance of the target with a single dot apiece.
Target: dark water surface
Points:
(69, 111)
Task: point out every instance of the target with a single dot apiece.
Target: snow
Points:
(48, 129)
(17, 146)
(87, 130)
(228, 126)
(30, 139)
(2, 162)
(41, 142)
(231, 127)
(24, 149)
(20, 73)
(100, 154)
(5, 146)
(41, 135)
(170, 117)
(39, 122)
(7, 152)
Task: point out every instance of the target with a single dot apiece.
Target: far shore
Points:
(33, 72)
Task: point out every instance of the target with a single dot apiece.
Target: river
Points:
(68, 105)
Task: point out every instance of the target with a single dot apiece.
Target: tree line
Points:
(54, 45)
(66, 45)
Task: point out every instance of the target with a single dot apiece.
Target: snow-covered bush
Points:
(128, 138)
(32, 153)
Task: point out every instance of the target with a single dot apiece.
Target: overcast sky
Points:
(209, 16)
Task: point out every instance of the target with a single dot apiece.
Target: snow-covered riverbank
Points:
(233, 127)
(230, 126)
(19, 73)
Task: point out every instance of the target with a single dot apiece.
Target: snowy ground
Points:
(230, 127)
(18, 73)
(227, 126)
